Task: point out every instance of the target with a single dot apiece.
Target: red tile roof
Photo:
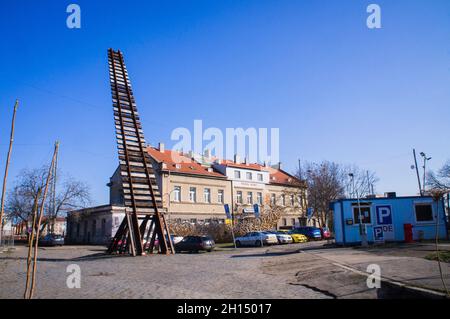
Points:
(278, 176)
(175, 162)
(253, 166)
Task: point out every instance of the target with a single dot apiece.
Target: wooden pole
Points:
(417, 172)
(8, 158)
(39, 220)
(31, 239)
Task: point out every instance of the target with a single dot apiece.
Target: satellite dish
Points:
(413, 167)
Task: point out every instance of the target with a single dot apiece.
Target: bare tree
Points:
(364, 181)
(441, 179)
(70, 194)
(328, 181)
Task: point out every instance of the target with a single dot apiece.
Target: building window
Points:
(78, 229)
(249, 176)
(365, 214)
(220, 196)
(273, 199)
(283, 200)
(193, 194)
(103, 227)
(239, 197)
(284, 222)
(259, 198)
(193, 220)
(424, 213)
(237, 174)
(260, 177)
(292, 200)
(177, 194)
(249, 198)
(293, 221)
(94, 227)
(116, 221)
(207, 195)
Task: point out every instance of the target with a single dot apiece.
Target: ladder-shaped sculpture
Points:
(142, 198)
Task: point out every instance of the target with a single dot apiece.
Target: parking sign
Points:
(384, 215)
(378, 234)
(385, 227)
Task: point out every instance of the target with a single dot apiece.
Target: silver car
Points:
(282, 238)
(257, 238)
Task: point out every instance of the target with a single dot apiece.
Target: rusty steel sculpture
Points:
(143, 228)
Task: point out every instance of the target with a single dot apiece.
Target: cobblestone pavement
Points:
(241, 273)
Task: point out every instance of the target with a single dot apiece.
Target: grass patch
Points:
(445, 256)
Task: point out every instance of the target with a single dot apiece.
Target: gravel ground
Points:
(241, 273)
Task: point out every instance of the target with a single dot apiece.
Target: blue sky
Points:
(336, 89)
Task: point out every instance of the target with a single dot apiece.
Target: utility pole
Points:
(54, 210)
(8, 158)
(417, 172)
(368, 183)
(299, 169)
(362, 229)
(425, 159)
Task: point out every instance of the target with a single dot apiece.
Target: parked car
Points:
(176, 239)
(51, 240)
(298, 238)
(325, 232)
(313, 233)
(256, 238)
(282, 237)
(196, 243)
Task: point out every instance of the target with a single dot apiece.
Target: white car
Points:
(282, 238)
(256, 238)
(176, 239)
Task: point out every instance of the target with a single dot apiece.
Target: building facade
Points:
(195, 189)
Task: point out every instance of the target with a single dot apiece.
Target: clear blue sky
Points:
(336, 89)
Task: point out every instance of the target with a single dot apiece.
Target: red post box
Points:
(408, 233)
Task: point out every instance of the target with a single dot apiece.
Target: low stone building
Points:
(94, 225)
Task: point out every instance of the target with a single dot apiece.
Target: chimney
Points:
(245, 160)
(161, 147)
(207, 153)
(237, 160)
(279, 165)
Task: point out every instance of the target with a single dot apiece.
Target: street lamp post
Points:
(362, 229)
(425, 159)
